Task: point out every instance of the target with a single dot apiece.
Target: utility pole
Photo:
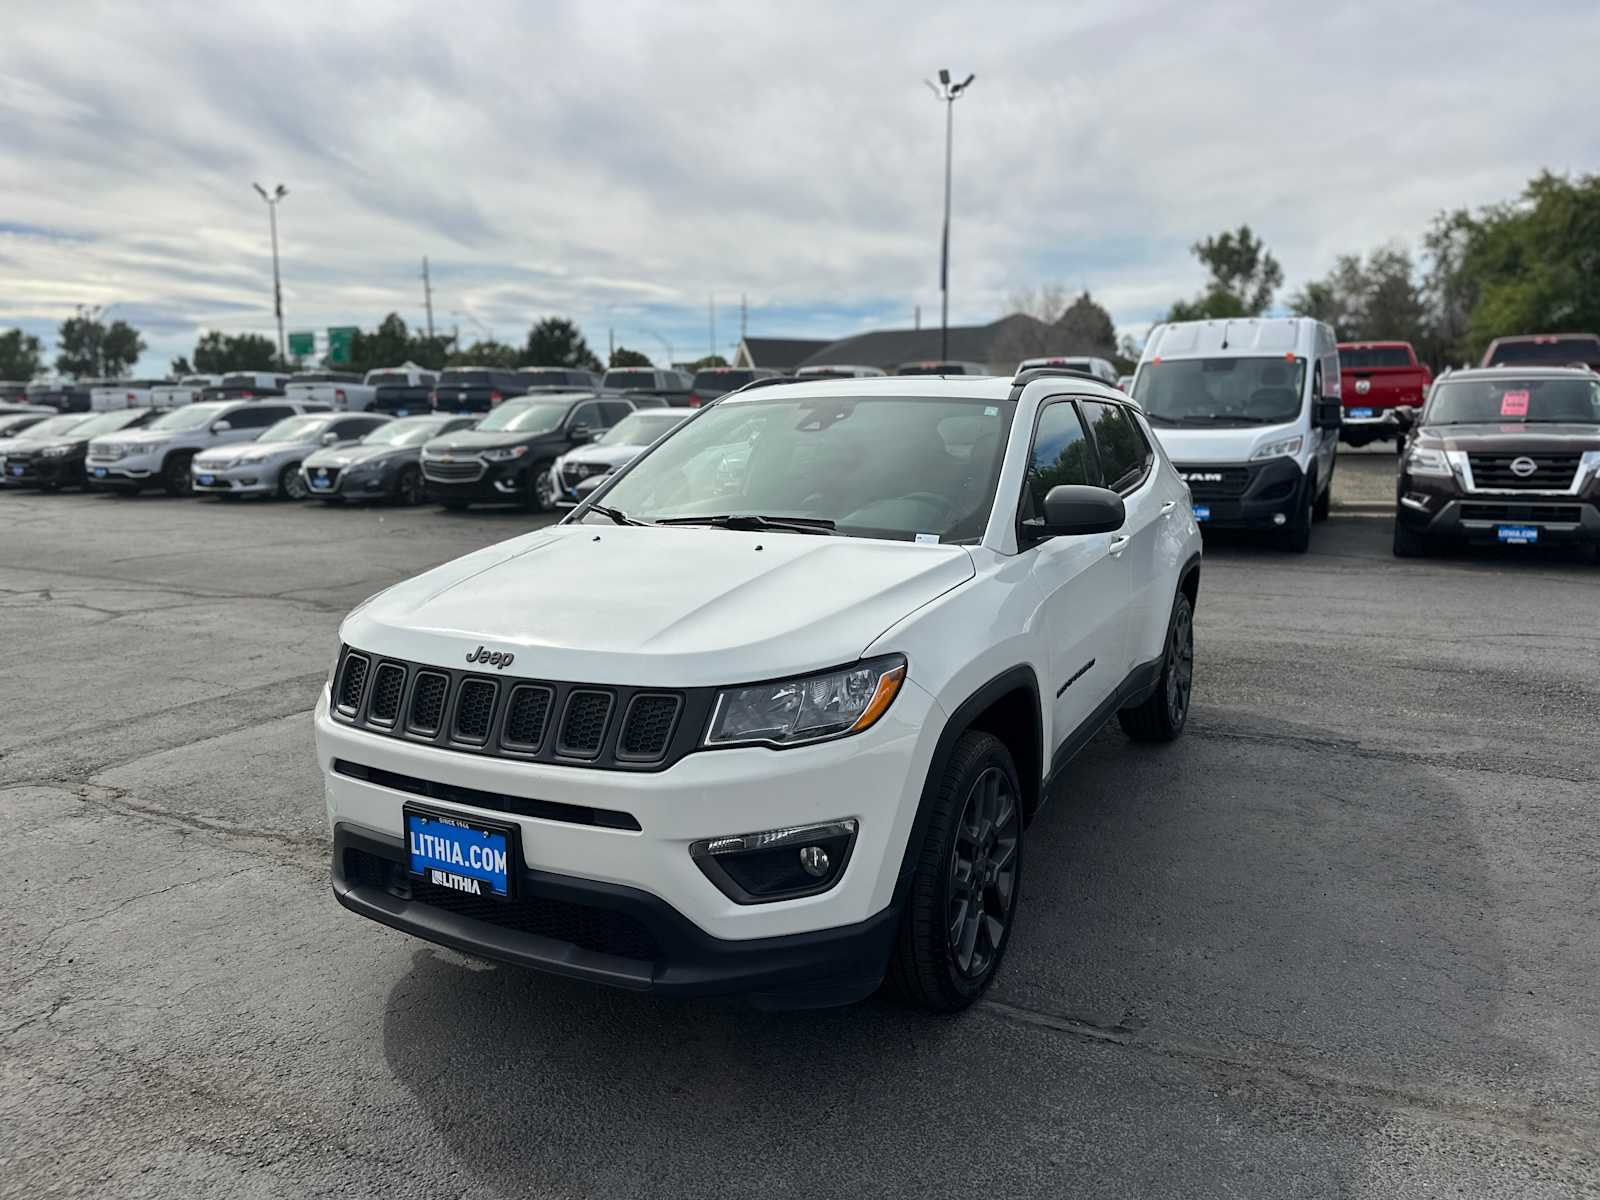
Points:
(427, 295)
(711, 308)
(744, 313)
(949, 93)
(278, 193)
(916, 317)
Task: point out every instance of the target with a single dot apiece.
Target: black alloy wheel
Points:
(1161, 716)
(175, 478)
(408, 489)
(542, 493)
(983, 873)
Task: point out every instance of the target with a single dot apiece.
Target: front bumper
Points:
(349, 483)
(115, 472)
(1435, 509)
(1247, 496)
(705, 940)
(40, 472)
(499, 483)
(254, 479)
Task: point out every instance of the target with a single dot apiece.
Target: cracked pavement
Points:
(1340, 940)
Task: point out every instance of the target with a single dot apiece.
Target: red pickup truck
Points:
(1375, 378)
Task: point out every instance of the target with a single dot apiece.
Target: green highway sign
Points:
(303, 344)
(341, 341)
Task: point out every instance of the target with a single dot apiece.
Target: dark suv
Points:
(719, 381)
(556, 379)
(506, 457)
(474, 389)
(1503, 455)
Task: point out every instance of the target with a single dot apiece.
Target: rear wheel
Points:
(175, 477)
(1163, 714)
(963, 894)
(408, 487)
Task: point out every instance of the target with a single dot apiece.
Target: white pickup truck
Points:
(341, 391)
(110, 394)
(186, 391)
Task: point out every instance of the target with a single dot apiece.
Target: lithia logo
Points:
(495, 658)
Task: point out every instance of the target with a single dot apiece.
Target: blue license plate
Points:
(1360, 414)
(319, 481)
(16, 470)
(208, 480)
(402, 412)
(1517, 535)
(463, 855)
(1202, 512)
(99, 472)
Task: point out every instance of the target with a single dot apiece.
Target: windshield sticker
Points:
(1514, 404)
(927, 539)
(991, 412)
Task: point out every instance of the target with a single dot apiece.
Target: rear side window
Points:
(588, 413)
(257, 416)
(1061, 454)
(1363, 357)
(1124, 454)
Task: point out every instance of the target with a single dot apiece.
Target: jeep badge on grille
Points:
(495, 658)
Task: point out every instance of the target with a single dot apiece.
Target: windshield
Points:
(883, 467)
(1549, 352)
(524, 417)
(412, 431)
(1362, 357)
(629, 379)
(640, 429)
(192, 417)
(293, 429)
(107, 422)
(1509, 398)
(1221, 391)
(54, 426)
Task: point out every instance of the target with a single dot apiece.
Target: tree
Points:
(485, 354)
(1244, 278)
(392, 344)
(20, 357)
(556, 342)
(1380, 299)
(623, 357)
(88, 348)
(706, 363)
(1057, 326)
(218, 353)
(179, 367)
(1087, 328)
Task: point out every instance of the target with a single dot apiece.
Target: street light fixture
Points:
(948, 93)
(278, 193)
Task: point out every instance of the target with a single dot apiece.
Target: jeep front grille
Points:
(574, 724)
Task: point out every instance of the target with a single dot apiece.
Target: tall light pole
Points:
(277, 193)
(948, 93)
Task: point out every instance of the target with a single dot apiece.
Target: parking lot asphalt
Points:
(1339, 940)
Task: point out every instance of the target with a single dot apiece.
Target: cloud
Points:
(625, 163)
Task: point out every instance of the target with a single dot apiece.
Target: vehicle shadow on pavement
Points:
(1241, 915)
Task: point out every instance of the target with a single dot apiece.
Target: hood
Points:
(239, 449)
(470, 441)
(1512, 437)
(1194, 446)
(344, 456)
(615, 455)
(146, 435)
(684, 607)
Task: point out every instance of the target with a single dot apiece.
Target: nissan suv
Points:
(506, 457)
(160, 453)
(1503, 455)
(832, 645)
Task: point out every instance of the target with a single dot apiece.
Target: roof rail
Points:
(1023, 378)
(767, 381)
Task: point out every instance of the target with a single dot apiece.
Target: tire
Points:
(541, 495)
(1324, 502)
(290, 485)
(175, 480)
(1163, 714)
(408, 489)
(945, 956)
(1408, 544)
(1297, 537)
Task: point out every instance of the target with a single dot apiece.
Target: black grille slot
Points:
(427, 702)
(522, 806)
(526, 717)
(474, 710)
(647, 729)
(388, 684)
(595, 929)
(1522, 512)
(1207, 482)
(1551, 472)
(583, 726)
(352, 681)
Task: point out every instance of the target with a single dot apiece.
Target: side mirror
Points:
(1072, 509)
(330, 438)
(221, 426)
(1327, 414)
(581, 433)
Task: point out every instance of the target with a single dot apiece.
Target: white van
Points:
(1100, 368)
(1248, 411)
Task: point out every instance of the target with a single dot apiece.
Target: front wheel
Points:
(541, 493)
(1163, 714)
(175, 478)
(963, 893)
(1406, 543)
(1324, 503)
(408, 488)
(1297, 537)
(290, 485)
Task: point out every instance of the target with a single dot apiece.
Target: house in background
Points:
(782, 354)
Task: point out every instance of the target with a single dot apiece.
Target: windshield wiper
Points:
(616, 514)
(1158, 419)
(756, 521)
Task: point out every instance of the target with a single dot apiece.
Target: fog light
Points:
(776, 864)
(1279, 519)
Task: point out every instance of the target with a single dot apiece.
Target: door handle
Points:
(1168, 507)
(1118, 545)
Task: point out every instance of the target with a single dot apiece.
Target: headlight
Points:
(250, 460)
(790, 712)
(55, 452)
(1424, 460)
(505, 453)
(1589, 466)
(1286, 448)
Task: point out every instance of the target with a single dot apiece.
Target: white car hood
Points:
(682, 607)
(1192, 446)
(237, 449)
(615, 455)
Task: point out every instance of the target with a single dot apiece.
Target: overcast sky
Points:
(621, 163)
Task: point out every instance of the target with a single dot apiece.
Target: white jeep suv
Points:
(771, 711)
